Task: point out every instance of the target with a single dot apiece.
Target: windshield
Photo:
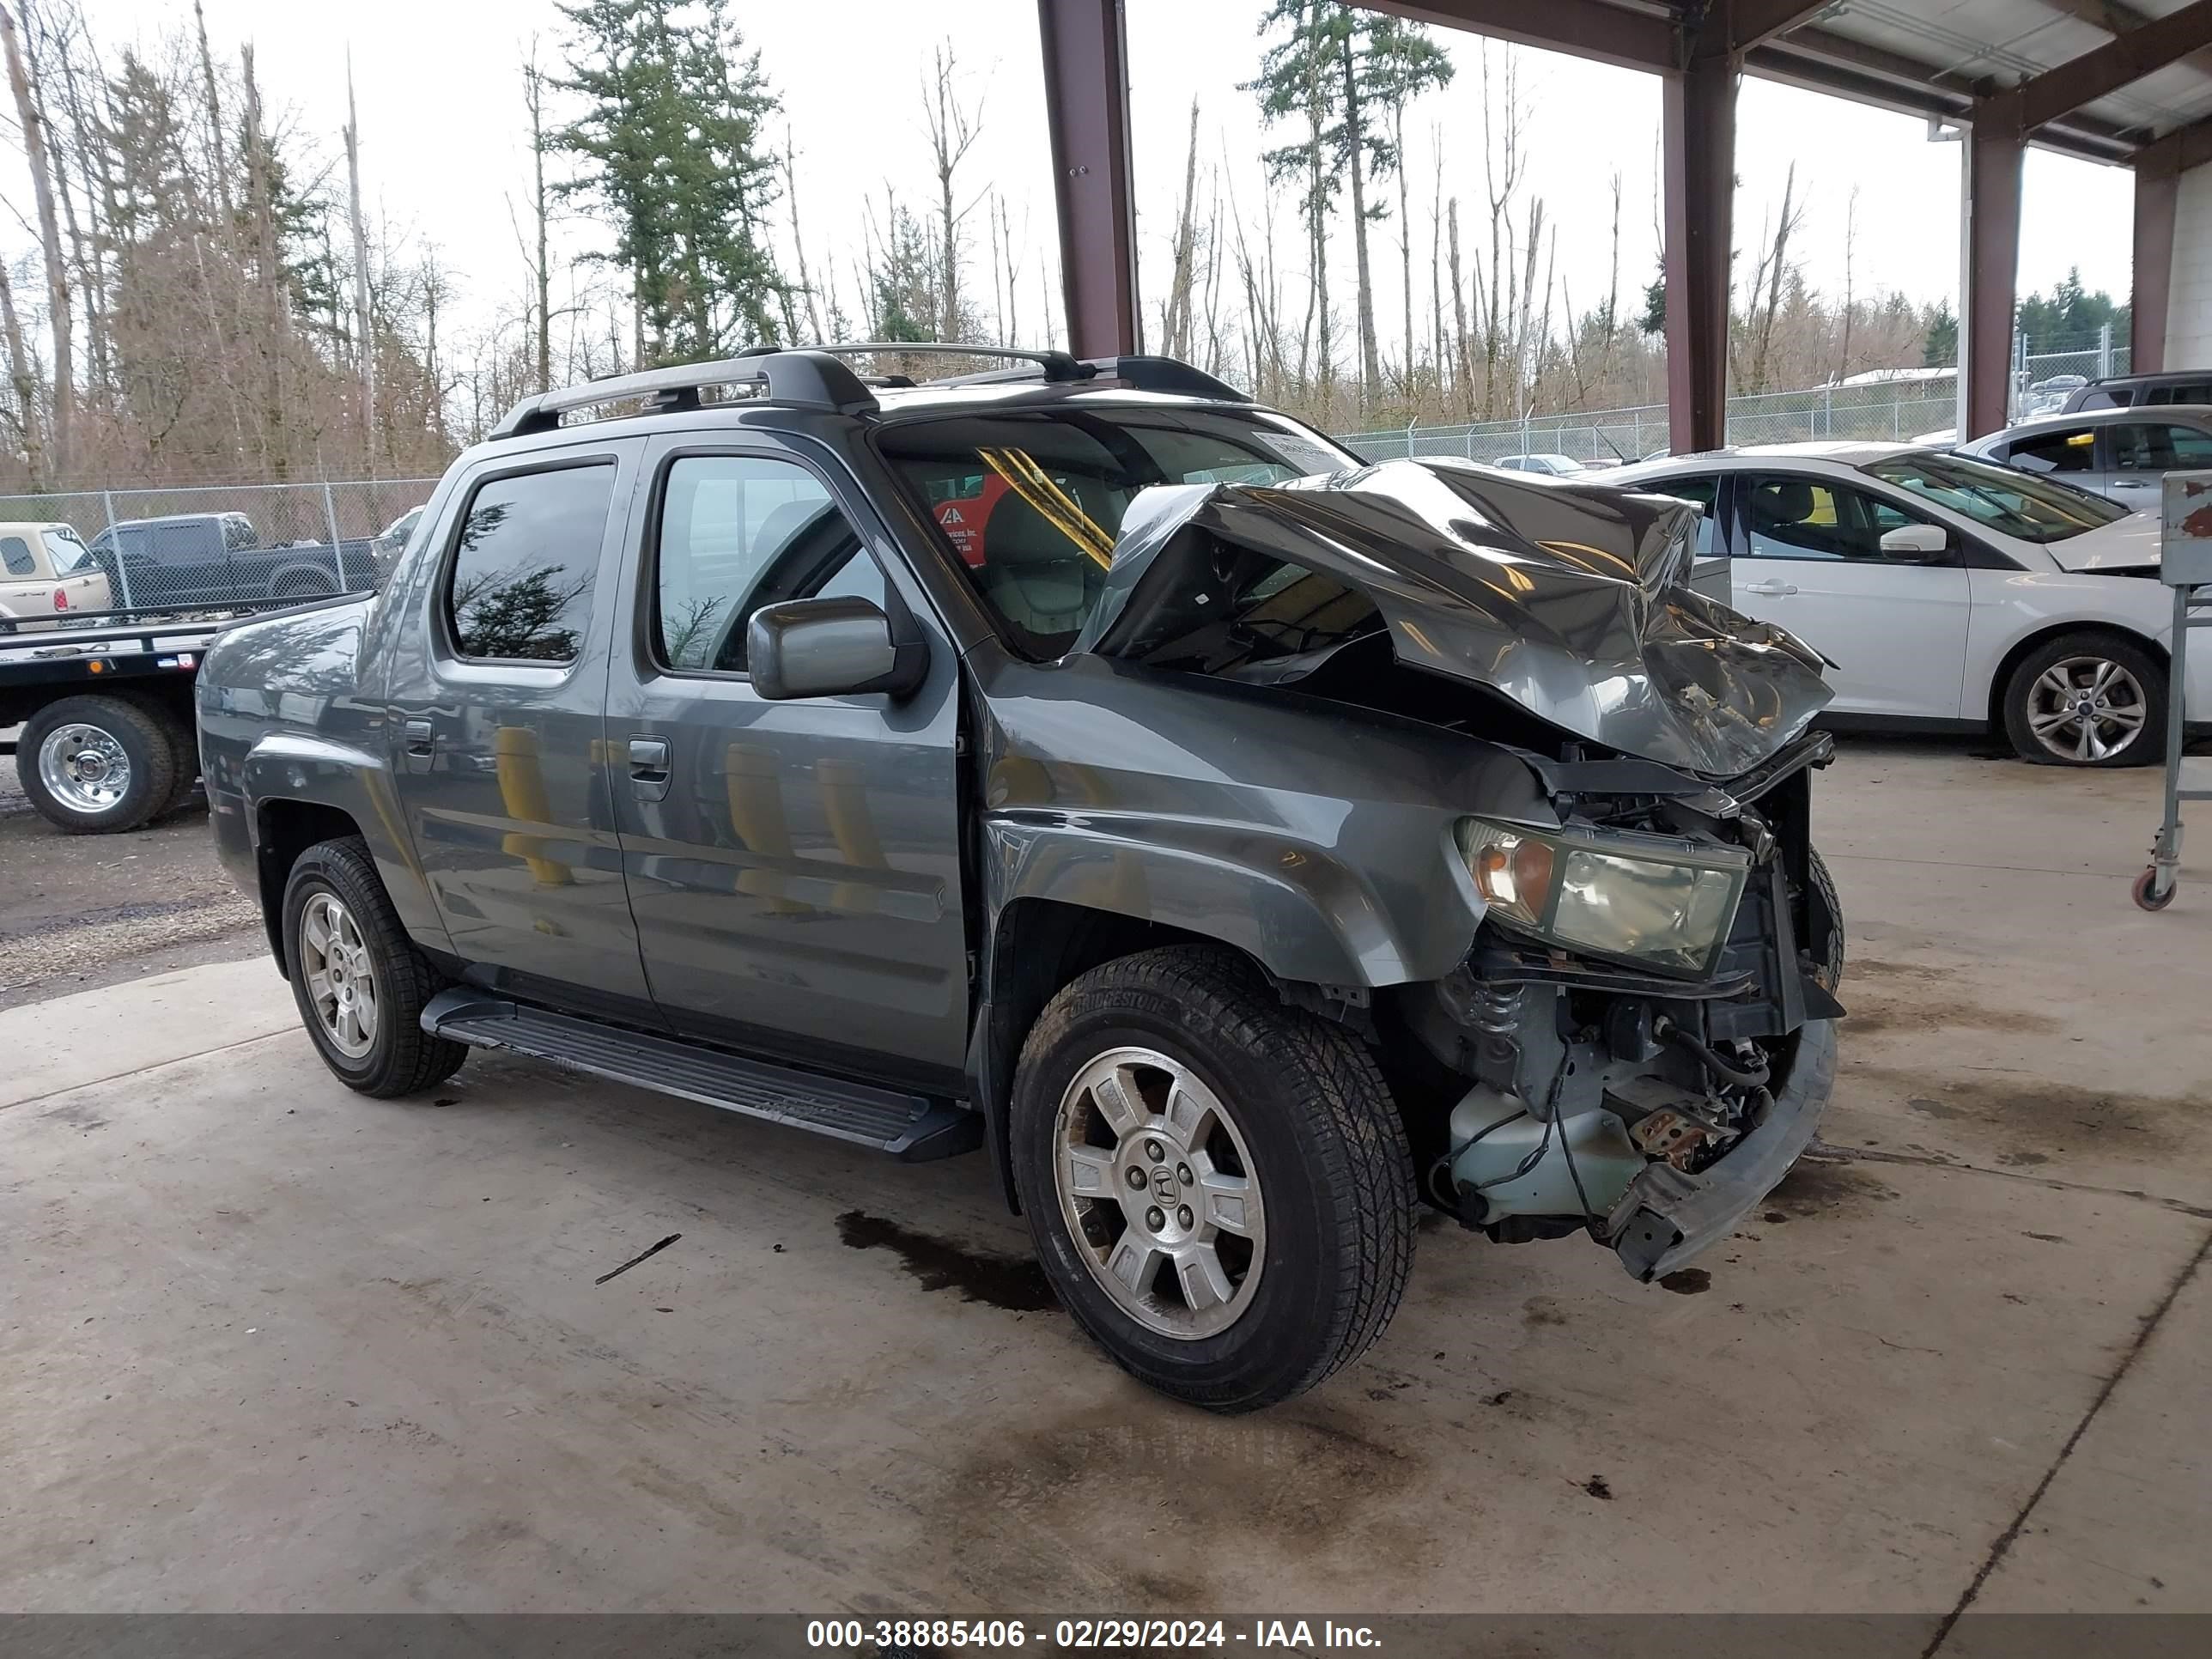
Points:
(68, 552)
(1031, 501)
(2011, 503)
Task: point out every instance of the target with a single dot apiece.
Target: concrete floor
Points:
(266, 1345)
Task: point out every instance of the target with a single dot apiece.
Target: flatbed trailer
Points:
(105, 703)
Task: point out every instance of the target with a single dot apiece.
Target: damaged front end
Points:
(1645, 1021)
(1639, 1040)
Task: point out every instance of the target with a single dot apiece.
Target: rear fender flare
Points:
(303, 768)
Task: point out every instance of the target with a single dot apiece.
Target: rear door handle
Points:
(648, 767)
(419, 743)
(1770, 588)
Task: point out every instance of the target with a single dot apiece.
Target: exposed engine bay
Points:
(1651, 963)
(1585, 1073)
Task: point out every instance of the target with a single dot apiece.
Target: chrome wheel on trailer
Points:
(1160, 1193)
(84, 768)
(340, 977)
(2084, 709)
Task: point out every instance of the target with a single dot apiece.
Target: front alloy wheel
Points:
(1156, 1185)
(1218, 1185)
(2086, 710)
(2088, 700)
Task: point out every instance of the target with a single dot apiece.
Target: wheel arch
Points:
(1993, 707)
(323, 574)
(1036, 946)
(284, 828)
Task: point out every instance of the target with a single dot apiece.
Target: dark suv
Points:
(1244, 844)
(2186, 386)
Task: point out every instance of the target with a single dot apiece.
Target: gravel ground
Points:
(81, 911)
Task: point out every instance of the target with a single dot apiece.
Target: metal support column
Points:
(1086, 88)
(1992, 204)
(2158, 193)
(1698, 129)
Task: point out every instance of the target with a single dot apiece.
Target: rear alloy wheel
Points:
(1218, 1185)
(360, 983)
(95, 765)
(2088, 700)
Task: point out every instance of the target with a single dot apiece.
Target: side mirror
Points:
(1915, 541)
(829, 648)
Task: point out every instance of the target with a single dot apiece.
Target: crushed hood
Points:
(2134, 543)
(1568, 599)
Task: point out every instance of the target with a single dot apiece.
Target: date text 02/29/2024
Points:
(1123, 1634)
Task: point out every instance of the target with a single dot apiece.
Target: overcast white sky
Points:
(439, 88)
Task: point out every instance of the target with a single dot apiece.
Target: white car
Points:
(1552, 464)
(1947, 592)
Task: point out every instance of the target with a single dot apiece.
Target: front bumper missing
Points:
(1668, 1216)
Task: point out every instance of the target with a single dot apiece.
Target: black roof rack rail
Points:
(809, 377)
(1151, 373)
(1145, 373)
(1057, 365)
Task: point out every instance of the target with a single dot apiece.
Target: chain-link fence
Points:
(221, 544)
(1899, 405)
(211, 546)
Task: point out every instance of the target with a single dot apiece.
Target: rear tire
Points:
(1277, 1105)
(358, 979)
(2087, 699)
(97, 765)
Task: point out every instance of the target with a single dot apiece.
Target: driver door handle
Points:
(648, 767)
(1770, 588)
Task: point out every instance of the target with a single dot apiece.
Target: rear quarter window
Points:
(15, 557)
(525, 560)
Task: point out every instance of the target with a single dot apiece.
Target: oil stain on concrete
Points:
(1016, 1284)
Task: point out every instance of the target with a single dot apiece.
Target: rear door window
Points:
(2066, 449)
(2180, 392)
(524, 563)
(2148, 447)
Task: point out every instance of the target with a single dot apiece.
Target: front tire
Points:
(2087, 699)
(96, 765)
(1272, 1237)
(358, 980)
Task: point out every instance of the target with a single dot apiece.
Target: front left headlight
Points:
(1656, 901)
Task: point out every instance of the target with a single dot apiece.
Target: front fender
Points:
(1295, 907)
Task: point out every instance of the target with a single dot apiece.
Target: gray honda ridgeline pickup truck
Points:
(1243, 844)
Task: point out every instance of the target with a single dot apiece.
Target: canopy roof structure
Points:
(2123, 81)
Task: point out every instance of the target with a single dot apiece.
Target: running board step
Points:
(908, 1126)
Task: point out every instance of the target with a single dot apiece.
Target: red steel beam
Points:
(1086, 84)
(1698, 144)
(2158, 192)
(1992, 207)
